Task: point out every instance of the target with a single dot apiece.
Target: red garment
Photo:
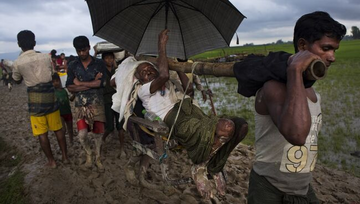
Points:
(59, 61)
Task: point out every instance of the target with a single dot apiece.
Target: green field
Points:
(349, 49)
(340, 133)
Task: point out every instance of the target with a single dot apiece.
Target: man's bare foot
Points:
(203, 185)
(66, 161)
(88, 162)
(130, 173)
(51, 164)
(99, 165)
(220, 183)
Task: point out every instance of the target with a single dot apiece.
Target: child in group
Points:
(65, 109)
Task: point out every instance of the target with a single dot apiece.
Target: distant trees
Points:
(355, 32)
(248, 44)
(279, 42)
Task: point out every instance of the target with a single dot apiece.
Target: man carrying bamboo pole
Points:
(288, 118)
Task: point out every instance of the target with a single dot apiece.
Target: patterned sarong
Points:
(90, 113)
(41, 99)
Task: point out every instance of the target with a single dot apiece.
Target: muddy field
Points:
(71, 183)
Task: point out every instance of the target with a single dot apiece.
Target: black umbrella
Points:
(195, 26)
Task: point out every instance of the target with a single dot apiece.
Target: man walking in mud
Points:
(86, 78)
(288, 118)
(36, 70)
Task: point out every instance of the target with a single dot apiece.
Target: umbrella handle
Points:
(166, 13)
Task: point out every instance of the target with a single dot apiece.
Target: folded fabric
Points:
(255, 70)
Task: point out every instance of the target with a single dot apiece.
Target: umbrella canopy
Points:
(195, 26)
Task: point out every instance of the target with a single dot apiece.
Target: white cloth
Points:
(125, 81)
(155, 102)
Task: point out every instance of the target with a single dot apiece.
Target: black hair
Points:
(103, 55)
(81, 42)
(26, 39)
(53, 52)
(55, 76)
(313, 26)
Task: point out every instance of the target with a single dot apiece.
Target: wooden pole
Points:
(224, 69)
(316, 70)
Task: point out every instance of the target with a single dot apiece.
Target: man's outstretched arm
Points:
(162, 62)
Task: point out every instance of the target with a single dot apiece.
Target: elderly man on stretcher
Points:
(208, 140)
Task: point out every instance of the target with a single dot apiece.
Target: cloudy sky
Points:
(55, 23)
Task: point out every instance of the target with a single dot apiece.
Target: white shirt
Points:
(34, 67)
(160, 105)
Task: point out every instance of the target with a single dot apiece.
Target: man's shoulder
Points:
(73, 63)
(31, 55)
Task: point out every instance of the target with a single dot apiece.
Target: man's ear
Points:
(34, 43)
(302, 44)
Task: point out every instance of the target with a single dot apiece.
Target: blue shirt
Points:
(77, 70)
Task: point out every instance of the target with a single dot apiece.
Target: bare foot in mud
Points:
(66, 161)
(220, 183)
(203, 185)
(51, 164)
(99, 165)
(130, 174)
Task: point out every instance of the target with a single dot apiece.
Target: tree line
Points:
(355, 31)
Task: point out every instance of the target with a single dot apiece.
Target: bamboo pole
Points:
(316, 70)
(205, 68)
(224, 69)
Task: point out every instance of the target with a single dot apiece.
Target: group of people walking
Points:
(287, 114)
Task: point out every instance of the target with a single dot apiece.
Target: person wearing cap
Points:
(36, 70)
(86, 79)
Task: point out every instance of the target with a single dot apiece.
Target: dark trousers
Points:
(261, 191)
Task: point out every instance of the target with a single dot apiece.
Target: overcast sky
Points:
(55, 23)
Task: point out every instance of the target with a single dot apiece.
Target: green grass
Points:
(349, 49)
(340, 96)
(12, 187)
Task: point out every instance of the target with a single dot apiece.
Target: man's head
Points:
(313, 26)
(320, 34)
(146, 72)
(82, 47)
(62, 55)
(53, 52)
(108, 58)
(26, 40)
(56, 81)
